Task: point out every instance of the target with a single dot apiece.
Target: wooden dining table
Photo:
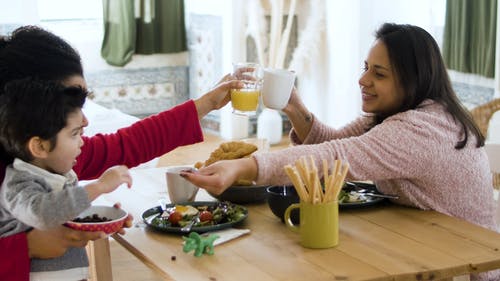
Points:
(377, 243)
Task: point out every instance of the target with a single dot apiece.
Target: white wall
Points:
(20, 11)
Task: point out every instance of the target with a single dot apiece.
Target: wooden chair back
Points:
(482, 115)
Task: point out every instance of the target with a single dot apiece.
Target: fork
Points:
(390, 196)
(187, 227)
(369, 190)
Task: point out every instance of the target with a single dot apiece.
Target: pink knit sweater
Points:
(411, 154)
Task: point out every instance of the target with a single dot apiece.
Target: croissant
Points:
(227, 151)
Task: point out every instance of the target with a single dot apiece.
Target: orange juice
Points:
(245, 99)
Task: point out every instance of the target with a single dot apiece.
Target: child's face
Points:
(380, 89)
(69, 141)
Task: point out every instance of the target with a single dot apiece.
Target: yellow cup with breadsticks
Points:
(319, 207)
(319, 224)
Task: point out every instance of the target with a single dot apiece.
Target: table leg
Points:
(100, 260)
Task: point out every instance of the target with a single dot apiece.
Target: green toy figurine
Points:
(200, 244)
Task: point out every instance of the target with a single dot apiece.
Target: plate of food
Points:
(360, 194)
(203, 216)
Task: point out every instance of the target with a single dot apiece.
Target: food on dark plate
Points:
(206, 215)
(352, 197)
(356, 192)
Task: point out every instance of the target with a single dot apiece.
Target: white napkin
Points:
(227, 234)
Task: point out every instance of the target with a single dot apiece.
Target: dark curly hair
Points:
(31, 51)
(31, 107)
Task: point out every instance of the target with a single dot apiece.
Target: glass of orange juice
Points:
(246, 100)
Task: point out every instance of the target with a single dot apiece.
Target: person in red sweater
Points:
(31, 51)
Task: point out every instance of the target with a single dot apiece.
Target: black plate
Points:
(149, 214)
(243, 194)
(351, 186)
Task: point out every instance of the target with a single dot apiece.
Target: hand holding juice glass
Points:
(246, 100)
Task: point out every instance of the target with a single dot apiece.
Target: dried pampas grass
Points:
(256, 28)
(278, 40)
(310, 37)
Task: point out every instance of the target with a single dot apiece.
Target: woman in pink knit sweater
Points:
(416, 140)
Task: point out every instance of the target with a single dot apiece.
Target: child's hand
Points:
(109, 181)
(114, 177)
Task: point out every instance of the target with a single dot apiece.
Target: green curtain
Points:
(142, 27)
(469, 36)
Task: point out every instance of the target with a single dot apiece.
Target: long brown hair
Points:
(417, 61)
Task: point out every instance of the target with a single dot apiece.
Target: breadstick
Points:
(336, 182)
(316, 197)
(327, 180)
(321, 192)
(313, 165)
(341, 179)
(329, 184)
(304, 173)
(308, 172)
(325, 173)
(336, 167)
(331, 189)
(314, 180)
(297, 182)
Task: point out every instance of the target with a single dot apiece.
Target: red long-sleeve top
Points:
(130, 146)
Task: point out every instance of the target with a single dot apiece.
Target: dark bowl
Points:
(243, 194)
(279, 198)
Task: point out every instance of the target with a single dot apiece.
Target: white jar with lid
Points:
(270, 126)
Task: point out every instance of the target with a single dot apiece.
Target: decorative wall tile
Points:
(140, 92)
(205, 52)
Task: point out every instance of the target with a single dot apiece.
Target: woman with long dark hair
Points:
(414, 140)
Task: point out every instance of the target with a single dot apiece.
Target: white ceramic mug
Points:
(179, 189)
(277, 87)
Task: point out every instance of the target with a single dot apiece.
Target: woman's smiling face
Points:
(380, 90)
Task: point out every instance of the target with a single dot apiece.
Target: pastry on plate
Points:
(228, 151)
